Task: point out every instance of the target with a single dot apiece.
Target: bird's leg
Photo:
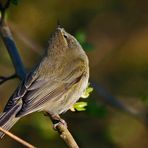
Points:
(56, 119)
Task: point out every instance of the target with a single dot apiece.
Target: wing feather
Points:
(40, 97)
(36, 91)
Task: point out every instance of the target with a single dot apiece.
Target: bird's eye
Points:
(65, 36)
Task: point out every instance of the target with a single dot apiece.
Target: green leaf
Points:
(87, 46)
(81, 36)
(80, 106)
(87, 92)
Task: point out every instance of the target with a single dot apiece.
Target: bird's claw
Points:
(56, 119)
(61, 121)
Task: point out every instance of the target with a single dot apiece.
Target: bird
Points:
(56, 82)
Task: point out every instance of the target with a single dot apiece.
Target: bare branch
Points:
(17, 138)
(12, 50)
(116, 103)
(3, 79)
(10, 45)
(66, 136)
(61, 127)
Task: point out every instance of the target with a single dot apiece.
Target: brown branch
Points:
(12, 50)
(66, 136)
(3, 79)
(9, 42)
(17, 138)
(61, 126)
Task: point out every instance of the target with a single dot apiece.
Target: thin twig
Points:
(61, 126)
(116, 103)
(10, 43)
(12, 50)
(111, 100)
(66, 136)
(17, 138)
(3, 79)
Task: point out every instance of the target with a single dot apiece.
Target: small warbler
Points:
(54, 85)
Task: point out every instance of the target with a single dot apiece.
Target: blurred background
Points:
(114, 34)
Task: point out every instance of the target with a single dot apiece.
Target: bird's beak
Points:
(61, 34)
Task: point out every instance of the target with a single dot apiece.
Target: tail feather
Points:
(8, 119)
(7, 126)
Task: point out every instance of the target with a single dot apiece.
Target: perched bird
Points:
(54, 85)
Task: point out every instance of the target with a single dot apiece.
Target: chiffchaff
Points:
(54, 85)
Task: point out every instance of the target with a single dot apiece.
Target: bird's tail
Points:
(8, 119)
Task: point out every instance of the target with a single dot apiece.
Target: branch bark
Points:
(12, 50)
(17, 138)
(3, 79)
(66, 136)
(9, 41)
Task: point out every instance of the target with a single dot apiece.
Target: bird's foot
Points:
(56, 119)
